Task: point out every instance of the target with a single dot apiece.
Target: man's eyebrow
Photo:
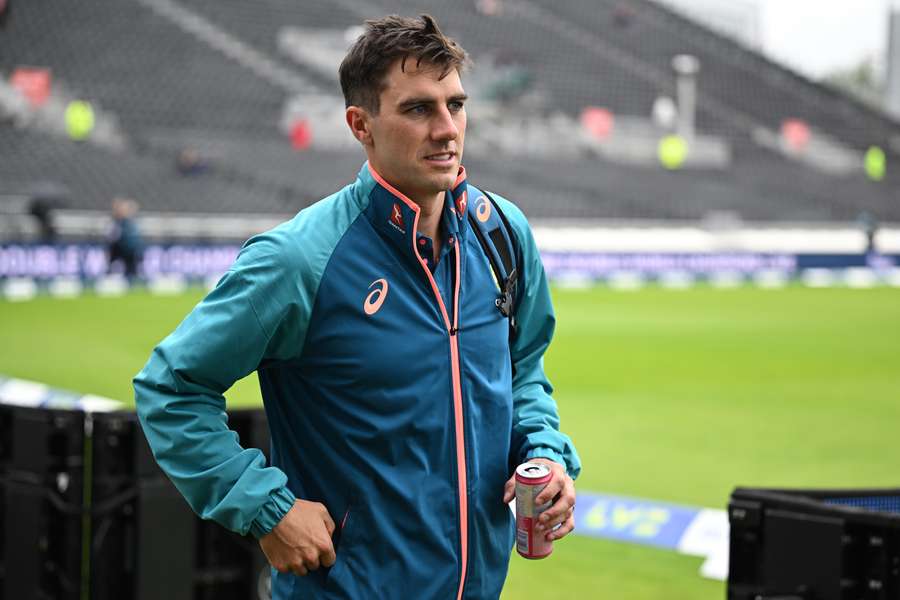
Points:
(428, 100)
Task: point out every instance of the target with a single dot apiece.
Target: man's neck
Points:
(430, 211)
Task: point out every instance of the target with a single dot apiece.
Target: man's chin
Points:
(445, 180)
(433, 183)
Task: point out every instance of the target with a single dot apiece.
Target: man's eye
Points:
(455, 106)
(419, 109)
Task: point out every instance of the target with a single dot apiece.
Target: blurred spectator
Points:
(623, 15)
(125, 242)
(511, 78)
(189, 162)
(4, 13)
(489, 8)
(665, 113)
(46, 198)
(869, 225)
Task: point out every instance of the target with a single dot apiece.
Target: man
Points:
(397, 405)
(125, 242)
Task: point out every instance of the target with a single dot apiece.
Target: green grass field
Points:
(673, 395)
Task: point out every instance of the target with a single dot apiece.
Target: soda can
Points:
(531, 478)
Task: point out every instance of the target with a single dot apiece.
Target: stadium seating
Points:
(93, 176)
(743, 80)
(135, 63)
(223, 91)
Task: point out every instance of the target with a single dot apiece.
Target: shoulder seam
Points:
(314, 296)
(259, 322)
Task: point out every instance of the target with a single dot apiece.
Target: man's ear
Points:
(360, 122)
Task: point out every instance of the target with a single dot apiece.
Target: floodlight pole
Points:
(892, 84)
(686, 69)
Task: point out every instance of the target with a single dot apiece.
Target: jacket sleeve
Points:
(254, 314)
(535, 417)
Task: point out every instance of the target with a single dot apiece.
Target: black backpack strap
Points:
(501, 246)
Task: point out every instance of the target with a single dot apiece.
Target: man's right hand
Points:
(301, 541)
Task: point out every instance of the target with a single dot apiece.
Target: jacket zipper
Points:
(454, 366)
(457, 404)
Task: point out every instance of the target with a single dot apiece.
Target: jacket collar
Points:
(394, 214)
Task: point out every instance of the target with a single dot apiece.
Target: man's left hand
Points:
(560, 489)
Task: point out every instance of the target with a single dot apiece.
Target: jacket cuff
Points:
(548, 454)
(278, 505)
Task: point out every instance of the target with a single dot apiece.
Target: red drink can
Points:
(531, 478)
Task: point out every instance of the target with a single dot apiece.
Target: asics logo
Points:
(483, 209)
(376, 297)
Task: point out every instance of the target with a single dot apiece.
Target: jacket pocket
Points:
(342, 540)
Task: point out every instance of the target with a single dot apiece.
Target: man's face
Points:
(417, 135)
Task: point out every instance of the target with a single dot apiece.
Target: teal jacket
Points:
(389, 388)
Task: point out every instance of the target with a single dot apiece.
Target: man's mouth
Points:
(441, 157)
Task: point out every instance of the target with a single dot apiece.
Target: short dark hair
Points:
(386, 40)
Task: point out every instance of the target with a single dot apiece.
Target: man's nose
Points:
(444, 127)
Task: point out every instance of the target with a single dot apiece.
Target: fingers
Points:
(297, 569)
(320, 552)
(329, 522)
(328, 556)
(301, 541)
(557, 512)
(553, 522)
(311, 560)
(563, 506)
(509, 490)
(566, 528)
(553, 488)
